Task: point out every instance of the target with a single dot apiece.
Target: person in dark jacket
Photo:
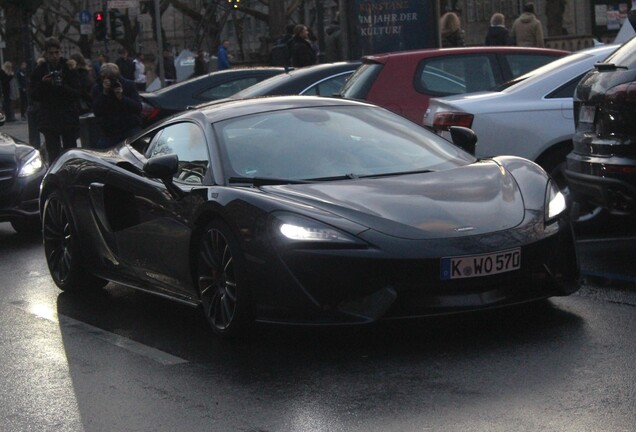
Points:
(56, 89)
(87, 81)
(116, 105)
(498, 34)
(126, 65)
(200, 65)
(302, 52)
(23, 84)
(451, 30)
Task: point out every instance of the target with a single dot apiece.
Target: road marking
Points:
(122, 342)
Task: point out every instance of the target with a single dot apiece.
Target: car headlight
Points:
(554, 202)
(32, 165)
(295, 228)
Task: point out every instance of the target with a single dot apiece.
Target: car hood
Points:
(474, 199)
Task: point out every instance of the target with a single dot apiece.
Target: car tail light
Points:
(621, 94)
(149, 112)
(444, 120)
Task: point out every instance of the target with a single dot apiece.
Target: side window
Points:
(522, 63)
(187, 141)
(328, 87)
(455, 75)
(227, 89)
(566, 90)
(142, 143)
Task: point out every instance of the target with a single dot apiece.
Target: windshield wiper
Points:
(265, 181)
(608, 66)
(397, 173)
(334, 178)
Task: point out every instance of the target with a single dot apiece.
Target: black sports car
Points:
(21, 171)
(306, 210)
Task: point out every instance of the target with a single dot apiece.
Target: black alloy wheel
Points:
(60, 247)
(224, 295)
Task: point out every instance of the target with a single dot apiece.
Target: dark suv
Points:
(601, 169)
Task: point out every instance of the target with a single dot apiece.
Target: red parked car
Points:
(404, 82)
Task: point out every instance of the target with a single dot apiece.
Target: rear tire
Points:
(220, 278)
(61, 247)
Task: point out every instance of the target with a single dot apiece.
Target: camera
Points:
(116, 83)
(56, 76)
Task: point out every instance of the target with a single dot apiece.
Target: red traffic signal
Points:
(100, 28)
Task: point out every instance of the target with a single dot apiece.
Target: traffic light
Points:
(117, 29)
(100, 29)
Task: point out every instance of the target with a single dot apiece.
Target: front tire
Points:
(27, 226)
(61, 246)
(221, 282)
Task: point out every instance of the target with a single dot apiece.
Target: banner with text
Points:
(379, 26)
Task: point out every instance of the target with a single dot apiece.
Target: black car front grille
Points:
(7, 174)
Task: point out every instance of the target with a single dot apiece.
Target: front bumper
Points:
(362, 286)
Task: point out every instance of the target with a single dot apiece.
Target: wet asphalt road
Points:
(120, 360)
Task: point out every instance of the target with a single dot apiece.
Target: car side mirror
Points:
(164, 168)
(3, 119)
(464, 138)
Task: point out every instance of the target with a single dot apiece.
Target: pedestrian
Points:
(97, 64)
(117, 106)
(451, 30)
(23, 83)
(87, 80)
(527, 30)
(200, 65)
(498, 34)
(333, 42)
(125, 65)
(169, 69)
(7, 79)
(302, 52)
(222, 56)
(140, 72)
(56, 89)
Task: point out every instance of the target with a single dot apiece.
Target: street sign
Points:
(123, 4)
(85, 17)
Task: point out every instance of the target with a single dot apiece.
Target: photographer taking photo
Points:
(56, 88)
(116, 105)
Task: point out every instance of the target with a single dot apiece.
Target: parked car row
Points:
(328, 210)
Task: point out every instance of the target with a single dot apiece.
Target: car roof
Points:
(438, 52)
(217, 75)
(230, 108)
(299, 79)
(598, 52)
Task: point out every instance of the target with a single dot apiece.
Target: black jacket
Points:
(58, 104)
(115, 116)
(497, 36)
(302, 53)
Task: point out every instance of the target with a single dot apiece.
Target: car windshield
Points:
(361, 81)
(331, 143)
(625, 56)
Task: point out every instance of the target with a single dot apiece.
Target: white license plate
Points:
(586, 114)
(470, 266)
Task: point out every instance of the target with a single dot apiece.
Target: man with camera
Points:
(56, 88)
(117, 106)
